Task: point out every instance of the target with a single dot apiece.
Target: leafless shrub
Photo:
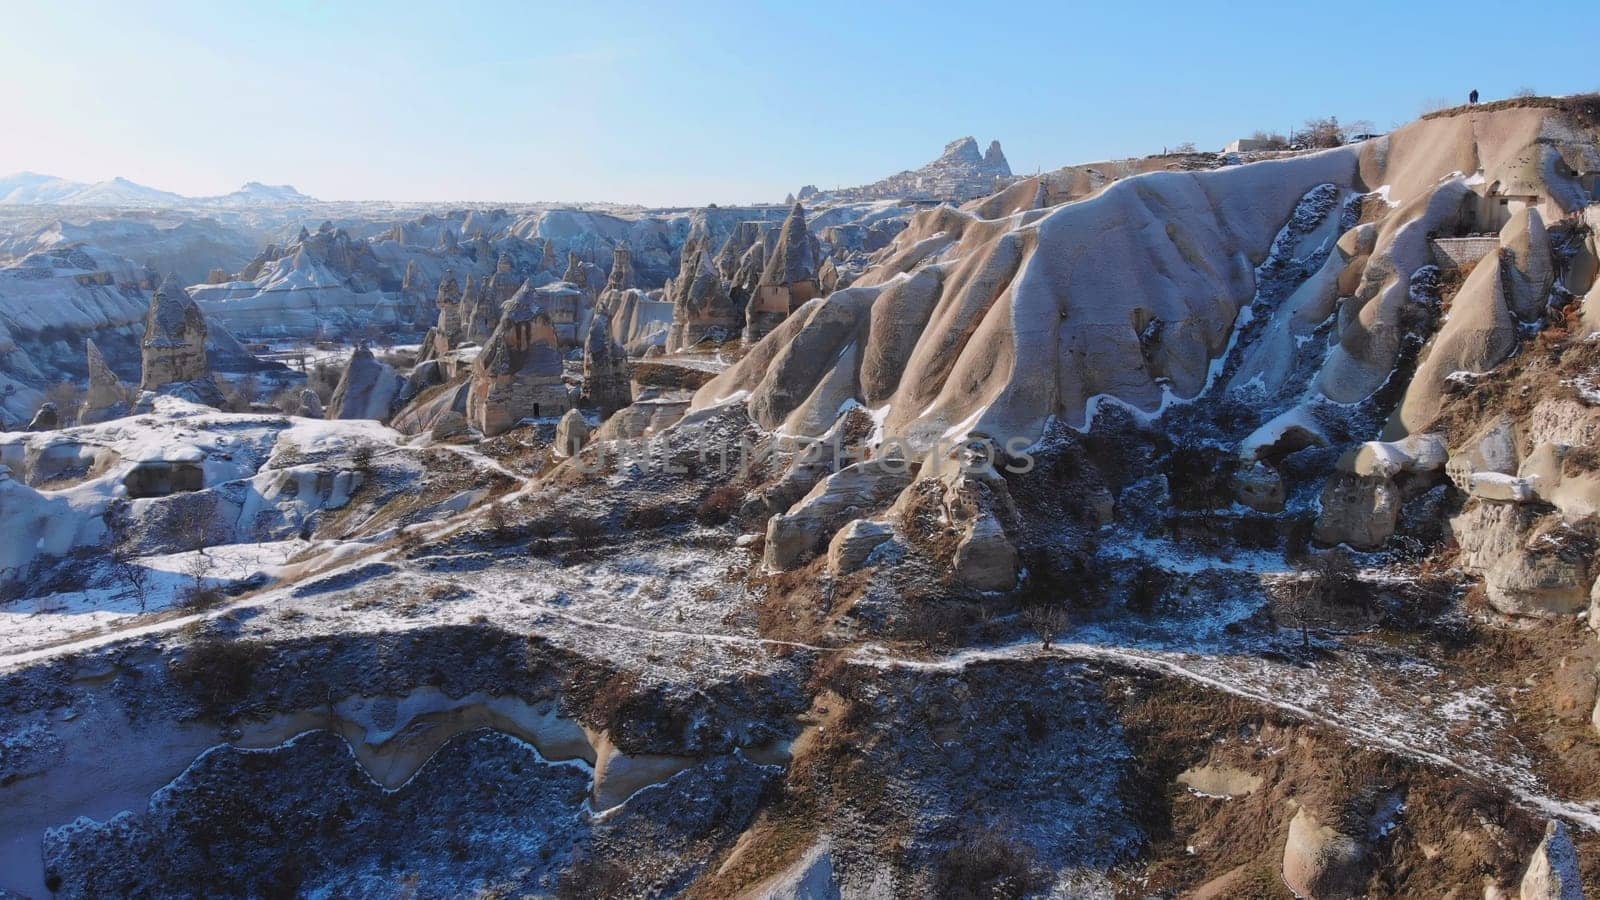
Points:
(361, 458)
(1273, 140)
(499, 523)
(288, 401)
(1321, 582)
(68, 398)
(1045, 619)
(986, 865)
(217, 671)
(719, 505)
(244, 393)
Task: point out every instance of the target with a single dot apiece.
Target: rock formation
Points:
(46, 419)
(787, 282)
(413, 293)
(960, 173)
(366, 390)
(605, 369)
(621, 277)
(701, 307)
(173, 350)
(564, 303)
(502, 285)
(310, 404)
(449, 330)
(1553, 872)
(584, 276)
(478, 315)
(572, 432)
(107, 397)
(324, 282)
(518, 374)
(1321, 862)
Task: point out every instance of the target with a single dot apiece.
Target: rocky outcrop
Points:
(788, 280)
(173, 350)
(107, 396)
(518, 374)
(1553, 872)
(701, 306)
(965, 496)
(310, 404)
(478, 315)
(572, 433)
(324, 283)
(1359, 511)
(960, 173)
(998, 321)
(501, 286)
(855, 542)
(366, 390)
(803, 531)
(1260, 487)
(449, 331)
(584, 276)
(1321, 862)
(605, 369)
(46, 419)
(621, 277)
(413, 293)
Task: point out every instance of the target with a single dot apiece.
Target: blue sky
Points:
(678, 103)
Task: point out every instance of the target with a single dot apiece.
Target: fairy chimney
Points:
(787, 282)
(518, 374)
(174, 346)
(701, 306)
(605, 368)
(106, 398)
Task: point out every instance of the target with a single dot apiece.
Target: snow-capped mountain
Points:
(254, 193)
(33, 189)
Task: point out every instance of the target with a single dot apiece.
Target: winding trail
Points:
(1350, 722)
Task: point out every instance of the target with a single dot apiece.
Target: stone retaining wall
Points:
(1453, 253)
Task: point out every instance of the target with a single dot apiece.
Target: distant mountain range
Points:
(33, 189)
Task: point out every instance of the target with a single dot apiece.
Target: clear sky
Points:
(690, 103)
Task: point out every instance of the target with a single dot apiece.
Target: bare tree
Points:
(68, 398)
(200, 593)
(1273, 139)
(125, 565)
(1323, 132)
(1185, 147)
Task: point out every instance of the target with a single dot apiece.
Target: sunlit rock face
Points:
(518, 374)
(788, 279)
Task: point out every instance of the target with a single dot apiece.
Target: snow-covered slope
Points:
(189, 246)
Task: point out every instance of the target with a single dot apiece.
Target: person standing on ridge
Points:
(1472, 98)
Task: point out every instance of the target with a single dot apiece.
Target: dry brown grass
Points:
(1585, 108)
(1440, 840)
